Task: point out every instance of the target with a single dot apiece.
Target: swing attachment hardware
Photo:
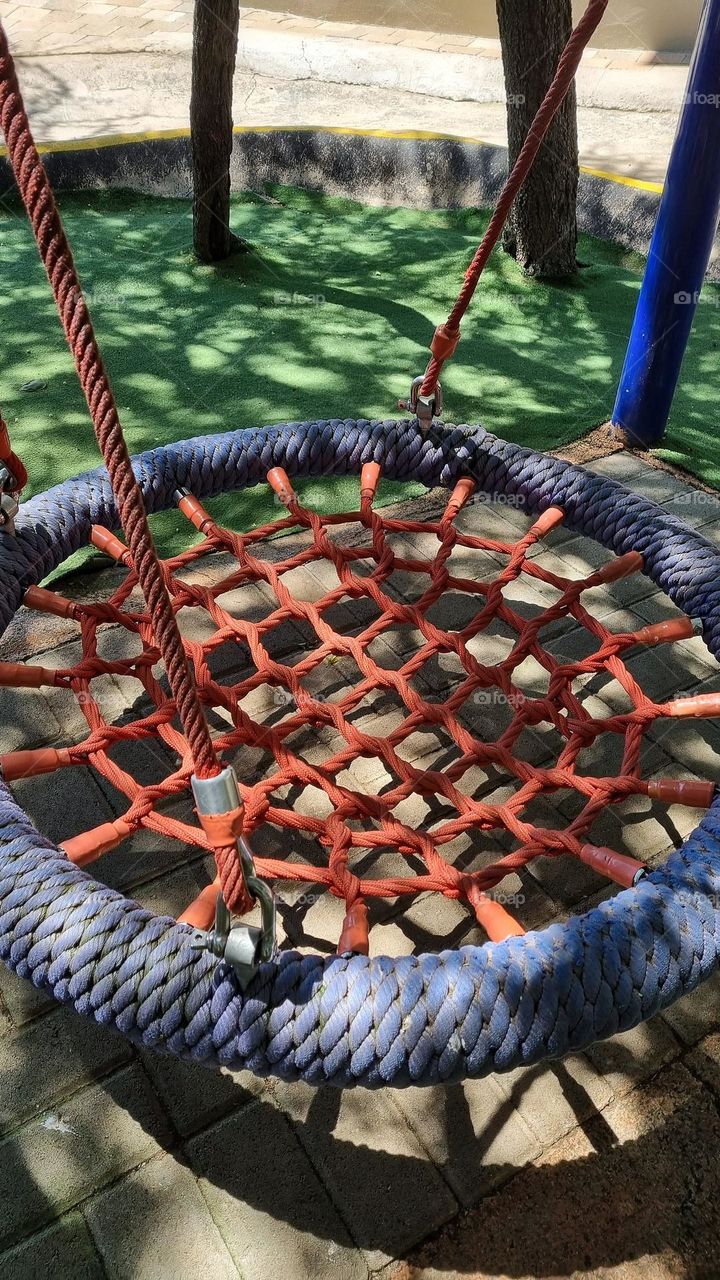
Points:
(425, 408)
(9, 505)
(243, 947)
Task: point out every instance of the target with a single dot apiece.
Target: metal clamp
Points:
(425, 408)
(9, 504)
(243, 947)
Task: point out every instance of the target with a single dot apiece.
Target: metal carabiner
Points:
(9, 505)
(425, 408)
(243, 947)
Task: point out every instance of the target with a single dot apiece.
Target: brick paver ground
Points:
(82, 26)
(119, 1164)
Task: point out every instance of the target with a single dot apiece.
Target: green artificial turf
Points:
(329, 317)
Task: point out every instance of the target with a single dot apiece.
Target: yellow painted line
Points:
(107, 140)
(406, 135)
(638, 183)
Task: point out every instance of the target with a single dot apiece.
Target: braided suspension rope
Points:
(447, 335)
(38, 199)
(350, 1018)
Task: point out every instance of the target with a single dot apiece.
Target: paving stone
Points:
(329, 681)
(711, 531)
(148, 763)
(155, 1223)
(171, 894)
(528, 597)
(640, 477)
(647, 830)
(22, 1000)
(432, 922)
(60, 1158)
(73, 1051)
(64, 803)
(147, 855)
(635, 1197)
(565, 880)
(436, 923)
(248, 602)
(389, 938)
(465, 563)
(660, 608)
(111, 698)
(603, 755)
(473, 1133)
(309, 582)
(579, 559)
(678, 665)
(555, 1097)
(645, 1109)
(29, 634)
(267, 1200)
(117, 644)
(26, 720)
(488, 714)
(485, 517)
(196, 1096)
(628, 1059)
(694, 507)
(644, 830)
(311, 918)
(704, 1062)
(361, 1142)
(668, 671)
(694, 744)
(697, 1014)
(65, 1250)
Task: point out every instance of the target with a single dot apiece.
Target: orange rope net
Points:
(360, 824)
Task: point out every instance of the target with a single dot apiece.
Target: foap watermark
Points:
(103, 701)
(685, 898)
(696, 99)
(105, 294)
(284, 298)
(514, 500)
(283, 698)
(505, 899)
(697, 499)
(300, 899)
(497, 698)
(683, 298)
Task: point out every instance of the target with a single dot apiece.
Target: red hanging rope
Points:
(446, 336)
(37, 196)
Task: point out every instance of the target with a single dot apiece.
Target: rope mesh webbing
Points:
(360, 566)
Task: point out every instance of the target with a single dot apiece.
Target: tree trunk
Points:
(542, 228)
(215, 35)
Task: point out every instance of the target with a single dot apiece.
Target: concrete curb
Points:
(456, 77)
(452, 76)
(418, 170)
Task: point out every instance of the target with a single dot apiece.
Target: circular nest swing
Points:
(348, 1018)
(226, 995)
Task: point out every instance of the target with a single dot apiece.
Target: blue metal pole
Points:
(680, 250)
